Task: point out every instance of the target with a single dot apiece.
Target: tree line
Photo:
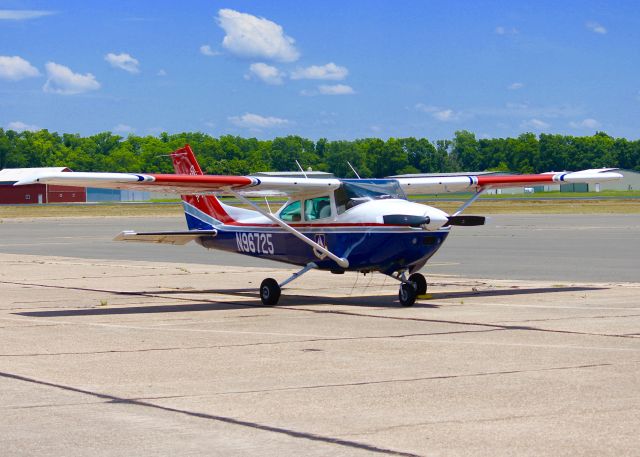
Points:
(371, 157)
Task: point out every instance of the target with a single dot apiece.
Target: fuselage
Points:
(375, 232)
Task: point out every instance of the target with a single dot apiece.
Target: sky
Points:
(321, 69)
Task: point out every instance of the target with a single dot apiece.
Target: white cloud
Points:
(329, 71)
(123, 128)
(61, 80)
(266, 73)
(535, 124)
(596, 28)
(16, 68)
(161, 72)
(21, 126)
(502, 30)
(445, 115)
(206, 50)
(515, 86)
(335, 89)
(588, 123)
(251, 36)
(255, 121)
(21, 15)
(123, 61)
(438, 113)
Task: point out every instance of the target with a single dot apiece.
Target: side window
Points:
(291, 212)
(341, 199)
(317, 208)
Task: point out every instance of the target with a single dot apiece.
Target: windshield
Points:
(353, 192)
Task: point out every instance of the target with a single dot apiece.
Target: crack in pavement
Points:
(486, 420)
(213, 417)
(573, 317)
(222, 346)
(407, 380)
(445, 321)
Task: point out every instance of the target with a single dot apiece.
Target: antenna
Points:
(298, 163)
(353, 169)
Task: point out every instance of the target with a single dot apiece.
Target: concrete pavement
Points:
(114, 357)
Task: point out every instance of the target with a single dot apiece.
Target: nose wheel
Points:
(407, 294)
(410, 287)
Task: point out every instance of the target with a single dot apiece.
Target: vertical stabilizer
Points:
(203, 212)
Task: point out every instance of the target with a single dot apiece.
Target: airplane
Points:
(338, 225)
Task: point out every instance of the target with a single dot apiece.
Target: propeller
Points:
(466, 221)
(419, 221)
(405, 219)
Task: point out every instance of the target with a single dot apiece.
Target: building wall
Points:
(115, 195)
(631, 181)
(22, 195)
(66, 194)
(40, 193)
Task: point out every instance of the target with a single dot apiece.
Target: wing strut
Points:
(344, 263)
(469, 202)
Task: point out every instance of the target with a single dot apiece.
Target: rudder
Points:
(202, 211)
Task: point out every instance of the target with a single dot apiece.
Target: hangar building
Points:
(36, 193)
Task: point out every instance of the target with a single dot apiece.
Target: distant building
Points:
(36, 193)
(115, 195)
(631, 181)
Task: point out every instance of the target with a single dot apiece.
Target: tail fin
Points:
(203, 212)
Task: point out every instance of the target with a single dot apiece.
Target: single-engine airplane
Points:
(363, 225)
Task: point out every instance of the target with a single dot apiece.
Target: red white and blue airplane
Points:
(363, 225)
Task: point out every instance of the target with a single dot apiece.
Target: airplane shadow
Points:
(250, 300)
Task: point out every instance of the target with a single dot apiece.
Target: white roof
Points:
(11, 175)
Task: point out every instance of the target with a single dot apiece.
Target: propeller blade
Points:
(466, 221)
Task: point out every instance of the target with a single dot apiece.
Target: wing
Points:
(187, 184)
(466, 183)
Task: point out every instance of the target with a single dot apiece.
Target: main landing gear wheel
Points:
(420, 283)
(407, 294)
(269, 292)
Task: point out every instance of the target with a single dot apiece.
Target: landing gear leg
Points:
(270, 290)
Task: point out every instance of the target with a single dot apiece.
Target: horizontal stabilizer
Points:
(179, 238)
(466, 221)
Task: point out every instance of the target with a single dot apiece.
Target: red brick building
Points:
(36, 193)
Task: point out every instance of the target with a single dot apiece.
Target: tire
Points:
(407, 295)
(420, 283)
(269, 292)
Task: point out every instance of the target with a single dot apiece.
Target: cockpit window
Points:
(317, 208)
(352, 193)
(291, 212)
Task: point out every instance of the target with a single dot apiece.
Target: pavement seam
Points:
(224, 419)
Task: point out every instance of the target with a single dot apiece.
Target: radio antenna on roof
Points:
(353, 169)
(298, 163)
